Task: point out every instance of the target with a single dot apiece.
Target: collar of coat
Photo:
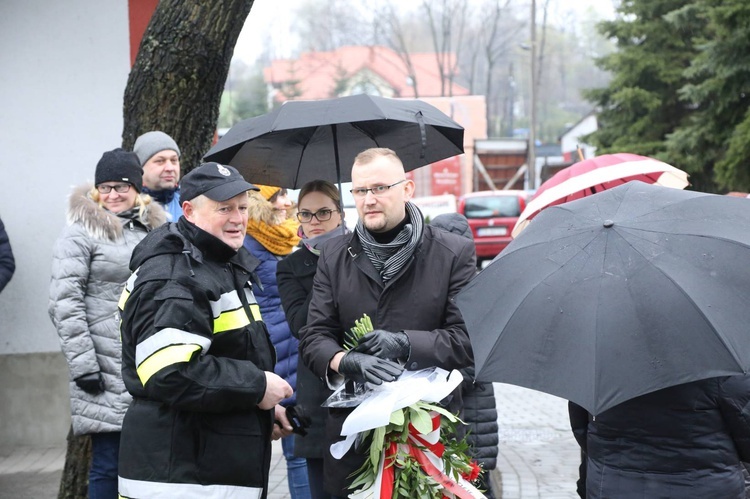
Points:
(199, 244)
(104, 225)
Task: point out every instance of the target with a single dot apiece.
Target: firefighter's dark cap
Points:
(215, 181)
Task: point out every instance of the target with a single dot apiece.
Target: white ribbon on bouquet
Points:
(428, 385)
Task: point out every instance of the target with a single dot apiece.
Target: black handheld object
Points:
(298, 419)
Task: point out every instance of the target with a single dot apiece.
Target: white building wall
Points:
(572, 138)
(64, 70)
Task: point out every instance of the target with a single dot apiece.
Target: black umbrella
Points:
(616, 295)
(308, 140)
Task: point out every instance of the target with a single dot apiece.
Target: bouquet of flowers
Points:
(413, 451)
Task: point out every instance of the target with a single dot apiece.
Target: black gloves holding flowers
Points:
(369, 360)
(385, 345)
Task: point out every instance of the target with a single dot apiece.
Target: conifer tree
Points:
(716, 138)
(641, 104)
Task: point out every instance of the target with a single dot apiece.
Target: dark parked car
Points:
(492, 216)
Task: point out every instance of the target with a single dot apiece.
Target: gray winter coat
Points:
(89, 270)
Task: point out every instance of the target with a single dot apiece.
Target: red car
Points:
(492, 216)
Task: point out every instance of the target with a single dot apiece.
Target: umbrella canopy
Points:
(599, 174)
(309, 140)
(616, 295)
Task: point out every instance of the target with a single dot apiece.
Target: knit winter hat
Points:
(267, 191)
(119, 165)
(150, 143)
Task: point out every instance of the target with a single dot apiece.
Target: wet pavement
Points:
(538, 457)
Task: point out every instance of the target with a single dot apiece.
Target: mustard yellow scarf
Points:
(278, 239)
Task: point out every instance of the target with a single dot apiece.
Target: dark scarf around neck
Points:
(389, 258)
(162, 197)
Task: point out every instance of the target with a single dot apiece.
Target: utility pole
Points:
(512, 98)
(532, 96)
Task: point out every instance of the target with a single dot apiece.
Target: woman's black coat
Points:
(294, 275)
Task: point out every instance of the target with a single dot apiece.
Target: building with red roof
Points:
(373, 70)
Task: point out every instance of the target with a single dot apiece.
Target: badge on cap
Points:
(224, 171)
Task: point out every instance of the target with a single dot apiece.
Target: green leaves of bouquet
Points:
(361, 327)
(410, 480)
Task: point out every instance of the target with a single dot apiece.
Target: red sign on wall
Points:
(446, 177)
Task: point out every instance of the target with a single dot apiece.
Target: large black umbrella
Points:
(308, 140)
(616, 295)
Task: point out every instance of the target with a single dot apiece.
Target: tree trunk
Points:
(174, 86)
(75, 478)
(178, 77)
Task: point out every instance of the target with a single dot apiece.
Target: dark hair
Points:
(324, 187)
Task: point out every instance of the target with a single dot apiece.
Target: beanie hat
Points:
(150, 143)
(267, 191)
(119, 165)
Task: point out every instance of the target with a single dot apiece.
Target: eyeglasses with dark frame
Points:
(323, 215)
(378, 190)
(106, 188)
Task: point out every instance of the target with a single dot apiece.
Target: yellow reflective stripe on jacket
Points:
(231, 320)
(163, 358)
(128, 289)
(229, 313)
(168, 337)
(167, 347)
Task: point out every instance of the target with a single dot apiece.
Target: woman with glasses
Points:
(89, 271)
(271, 235)
(321, 218)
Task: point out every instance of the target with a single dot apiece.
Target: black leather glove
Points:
(91, 383)
(385, 345)
(362, 368)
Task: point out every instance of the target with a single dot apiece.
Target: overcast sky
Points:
(271, 19)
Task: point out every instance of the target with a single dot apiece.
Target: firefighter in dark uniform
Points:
(196, 355)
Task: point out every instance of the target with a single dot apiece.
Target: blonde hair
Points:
(141, 200)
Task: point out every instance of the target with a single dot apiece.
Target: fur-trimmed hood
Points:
(107, 226)
(260, 210)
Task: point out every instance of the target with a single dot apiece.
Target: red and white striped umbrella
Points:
(597, 174)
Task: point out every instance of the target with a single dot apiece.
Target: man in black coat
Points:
(686, 441)
(400, 272)
(196, 355)
(7, 262)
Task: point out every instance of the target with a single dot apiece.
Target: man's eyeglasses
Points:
(106, 189)
(379, 190)
(323, 215)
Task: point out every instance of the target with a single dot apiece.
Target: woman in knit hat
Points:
(89, 269)
(271, 235)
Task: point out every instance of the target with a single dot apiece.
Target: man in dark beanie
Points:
(119, 165)
(159, 157)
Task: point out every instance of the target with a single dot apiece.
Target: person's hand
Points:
(276, 390)
(385, 344)
(281, 425)
(91, 383)
(362, 368)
